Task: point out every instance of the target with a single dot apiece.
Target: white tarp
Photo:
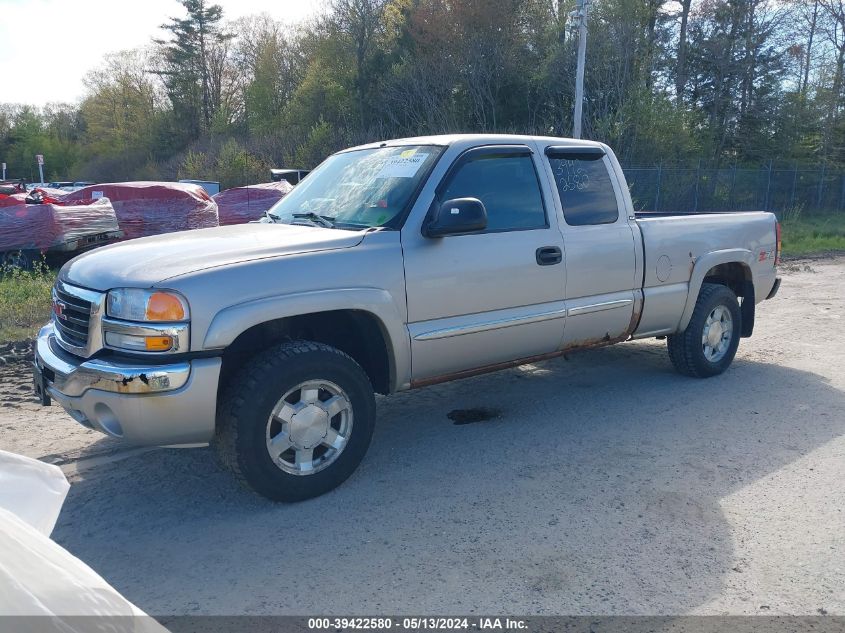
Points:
(38, 577)
(32, 490)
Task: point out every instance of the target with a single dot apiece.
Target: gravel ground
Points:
(606, 484)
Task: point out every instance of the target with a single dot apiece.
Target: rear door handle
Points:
(549, 255)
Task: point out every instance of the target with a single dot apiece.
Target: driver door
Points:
(492, 296)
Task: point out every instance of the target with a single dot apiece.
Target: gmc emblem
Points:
(59, 310)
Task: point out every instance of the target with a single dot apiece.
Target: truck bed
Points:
(673, 243)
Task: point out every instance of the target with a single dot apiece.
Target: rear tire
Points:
(708, 344)
(296, 421)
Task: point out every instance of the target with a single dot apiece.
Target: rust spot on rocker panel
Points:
(486, 369)
(572, 347)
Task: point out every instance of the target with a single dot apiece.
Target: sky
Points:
(47, 46)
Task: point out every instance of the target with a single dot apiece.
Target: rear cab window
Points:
(584, 185)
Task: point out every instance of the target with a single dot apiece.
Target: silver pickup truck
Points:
(392, 266)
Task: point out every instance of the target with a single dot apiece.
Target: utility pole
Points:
(39, 158)
(579, 19)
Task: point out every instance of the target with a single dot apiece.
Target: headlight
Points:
(137, 304)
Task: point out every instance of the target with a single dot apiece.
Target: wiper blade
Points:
(354, 225)
(322, 220)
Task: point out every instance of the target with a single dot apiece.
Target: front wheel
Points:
(296, 421)
(708, 344)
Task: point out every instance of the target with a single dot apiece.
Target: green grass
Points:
(24, 302)
(812, 234)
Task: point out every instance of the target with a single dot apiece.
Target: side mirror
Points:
(457, 216)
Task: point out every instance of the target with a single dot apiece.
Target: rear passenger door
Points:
(600, 254)
(492, 296)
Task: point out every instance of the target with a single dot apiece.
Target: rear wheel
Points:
(708, 344)
(296, 421)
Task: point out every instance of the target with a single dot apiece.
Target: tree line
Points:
(726, 82)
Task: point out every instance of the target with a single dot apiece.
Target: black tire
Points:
(686, 349)
(22, 260)
(248, 401)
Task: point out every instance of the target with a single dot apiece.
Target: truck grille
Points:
(71, 317)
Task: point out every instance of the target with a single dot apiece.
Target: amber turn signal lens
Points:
(158, 343)
(164, 307)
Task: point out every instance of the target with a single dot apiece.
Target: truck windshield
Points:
(360, 189)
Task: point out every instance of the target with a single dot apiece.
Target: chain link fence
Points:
(700, 189)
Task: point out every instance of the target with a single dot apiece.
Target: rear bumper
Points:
(774, 289)
(87, 242)
(145, 404)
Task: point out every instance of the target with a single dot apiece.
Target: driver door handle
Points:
(549, 255)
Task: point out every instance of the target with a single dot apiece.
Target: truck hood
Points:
(148, 261)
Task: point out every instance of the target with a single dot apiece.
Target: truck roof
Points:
(480, 139)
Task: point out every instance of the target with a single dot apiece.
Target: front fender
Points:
(702, 265)
(230, 322)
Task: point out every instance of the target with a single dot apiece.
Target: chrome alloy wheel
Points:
(309, 427)
(717, 333)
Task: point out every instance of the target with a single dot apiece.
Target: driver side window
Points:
(508, 186)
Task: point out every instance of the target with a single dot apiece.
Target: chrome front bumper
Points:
(145, 404)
